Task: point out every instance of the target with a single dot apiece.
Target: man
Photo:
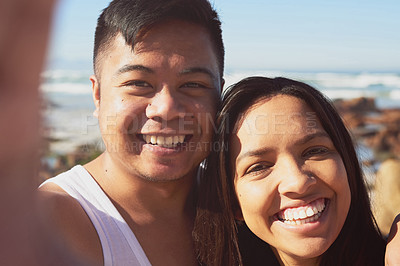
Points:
(158, 75)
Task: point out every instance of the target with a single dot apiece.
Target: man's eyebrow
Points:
(129, 68)
(302, 141)
(194, 70)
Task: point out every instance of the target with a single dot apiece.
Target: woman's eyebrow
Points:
(254, 153)
(262, 151)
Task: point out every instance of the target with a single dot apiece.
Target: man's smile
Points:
(165, 141)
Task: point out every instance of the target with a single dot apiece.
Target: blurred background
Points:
(350, 50)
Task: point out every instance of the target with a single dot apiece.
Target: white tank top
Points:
(119, 244)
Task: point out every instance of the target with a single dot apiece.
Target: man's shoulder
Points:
(54, 199)
(66, 217)
(56, 202)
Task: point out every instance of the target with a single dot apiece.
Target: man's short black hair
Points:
(130, 17)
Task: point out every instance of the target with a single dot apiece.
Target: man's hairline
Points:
(102, 52)
(106, 46)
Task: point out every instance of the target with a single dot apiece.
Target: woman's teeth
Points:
(303, 214)
(164, 141)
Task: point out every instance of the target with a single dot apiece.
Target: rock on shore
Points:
(379, 130)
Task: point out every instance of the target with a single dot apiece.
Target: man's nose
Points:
(295, 180)
(165, 105)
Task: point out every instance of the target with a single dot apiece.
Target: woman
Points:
(288, 168)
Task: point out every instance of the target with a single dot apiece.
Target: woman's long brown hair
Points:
(215, 231)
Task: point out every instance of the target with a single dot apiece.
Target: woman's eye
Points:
(316, 151)
(257, 168)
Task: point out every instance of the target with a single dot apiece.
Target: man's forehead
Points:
(196, 53)
(152, 37)
(175, 36)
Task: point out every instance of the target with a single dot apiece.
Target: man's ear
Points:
(95, 94)
(222, 85)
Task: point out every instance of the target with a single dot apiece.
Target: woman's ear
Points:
(237, 211)
(238, 214)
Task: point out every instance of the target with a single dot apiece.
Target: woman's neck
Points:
(291, 260)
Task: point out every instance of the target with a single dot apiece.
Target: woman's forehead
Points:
(277, 115)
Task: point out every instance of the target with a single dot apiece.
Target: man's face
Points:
(156, 104)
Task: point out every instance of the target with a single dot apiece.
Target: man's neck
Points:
(140, 196)
(160, 214)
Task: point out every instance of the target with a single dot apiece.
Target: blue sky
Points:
(289, 35)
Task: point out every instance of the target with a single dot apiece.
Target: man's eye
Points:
(136, 83)
(194, 85)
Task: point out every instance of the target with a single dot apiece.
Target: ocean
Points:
(69, 106)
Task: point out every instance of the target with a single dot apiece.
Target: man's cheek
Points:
(209, 124)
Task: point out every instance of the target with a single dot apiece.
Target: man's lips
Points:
(166, 141)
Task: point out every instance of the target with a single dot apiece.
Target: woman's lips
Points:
(304, 214)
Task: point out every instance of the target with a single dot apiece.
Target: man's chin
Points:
(165, 173)
(162, 178)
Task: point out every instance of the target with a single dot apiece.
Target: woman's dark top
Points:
(254, 251)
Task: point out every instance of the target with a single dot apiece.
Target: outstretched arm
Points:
(24, 29)
(392, 256)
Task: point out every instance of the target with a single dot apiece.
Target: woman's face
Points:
(290, 181)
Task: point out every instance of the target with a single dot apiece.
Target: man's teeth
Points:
(304, 214)
(169, 141)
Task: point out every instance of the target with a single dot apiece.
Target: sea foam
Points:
(70, 118)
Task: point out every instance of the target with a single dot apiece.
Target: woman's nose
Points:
(294, 178)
